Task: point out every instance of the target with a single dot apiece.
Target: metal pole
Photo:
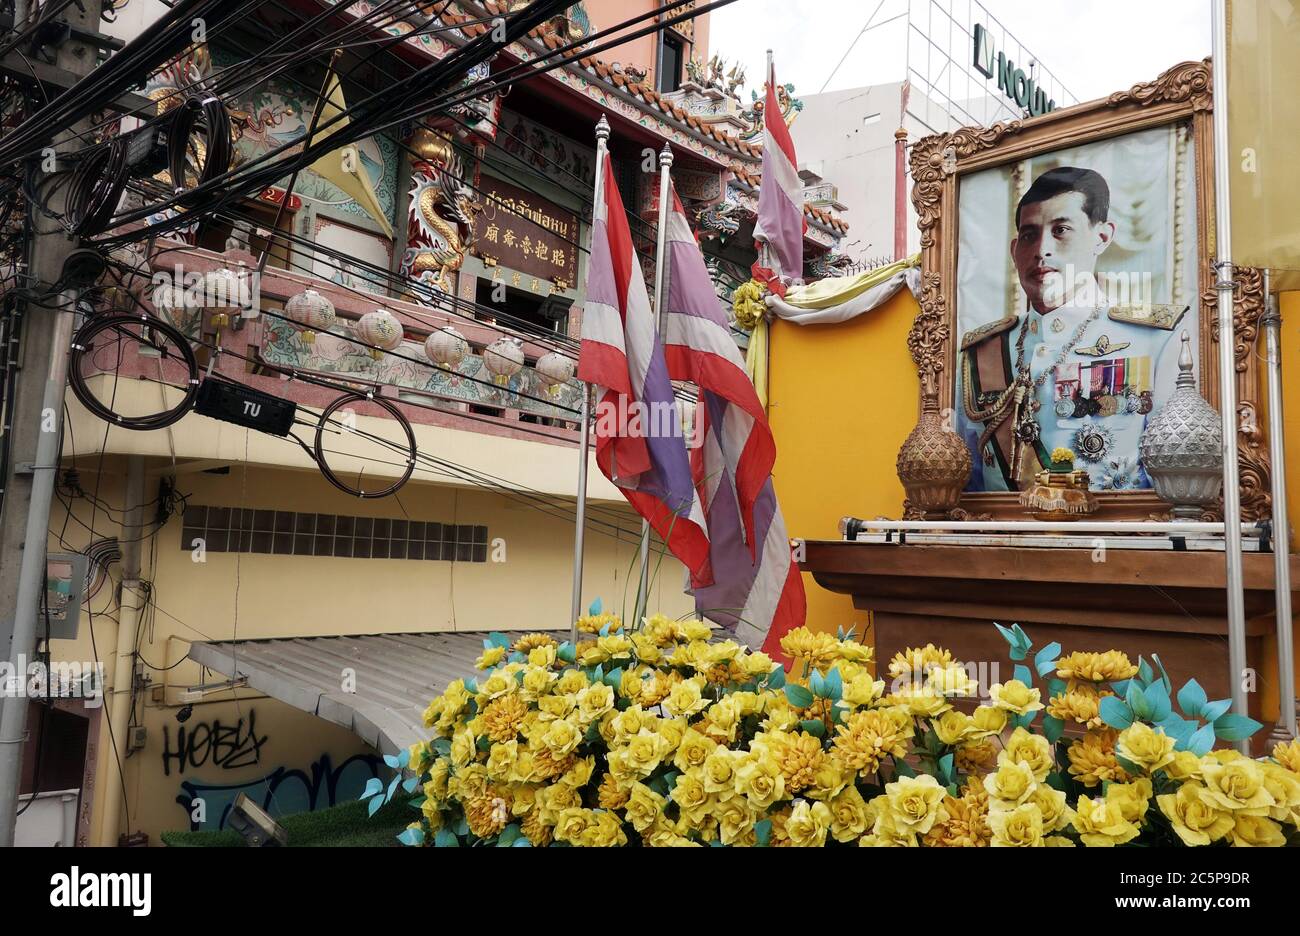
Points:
(580, 519)
(1224, 283)
(1285, 730)
(661, 284)
(1041, 526)
(31, 573)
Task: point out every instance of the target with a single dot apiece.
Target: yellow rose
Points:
(1017, 828)
(429, 808)
(989, 720)
(919, 700)
(1259, 831)
(747, 703)
(757, 664)
(1015, 697)
(1184, 766)
(1133, 798)
(543, 656)
(1145, 747)
(1030, 749)
(561, 737)
(854, 652)
(888, 833)
(685, 699)
(498, 684)
(435, 787)
(594, 701)
(462, 748)
(490, 657)
(862, 690)
(580, 773)
(1238, 784)
(953, 727)
(759, 780)
(571, 681)
(693, 751)
(553, 707)
(951, 679)
(645, 751)
(915, 803)
(719, 771)
(1010, 785)
(644, 807)
(1195, 817)
(501, 759)
(695, 630)
(571, 823)
(629, 722)
(1284, 787)
(1100, 822)
(722, 719)
(605, 831)
(808, 824)
(1052, 806)
(849, 815)
(735, 820)
(672, 730)
(691, 797)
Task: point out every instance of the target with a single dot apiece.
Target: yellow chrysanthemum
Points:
(916, 661)
(965, 827)
(1096, 667)
(1092, 759)
(976, 757)
(502, 718)
(867, 737)
(817, 649)
(1080, 704)
(488, 814)
(533, 641)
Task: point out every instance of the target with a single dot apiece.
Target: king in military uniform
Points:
(1073, 370)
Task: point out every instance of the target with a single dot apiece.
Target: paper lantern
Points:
(446, 347)
(223, 293)
(170, 303)
(312, 311)
(504, 358)
(555, 370)
(381, 330)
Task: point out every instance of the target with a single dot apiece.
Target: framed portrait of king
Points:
(1063, 259)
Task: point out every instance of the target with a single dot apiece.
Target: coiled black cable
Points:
(83, 343)
(96, 188)
(319, 447)
(206, 115)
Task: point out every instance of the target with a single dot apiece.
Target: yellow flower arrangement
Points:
(660, 735)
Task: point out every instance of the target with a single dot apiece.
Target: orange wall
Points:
(844, 397)
(642, 52)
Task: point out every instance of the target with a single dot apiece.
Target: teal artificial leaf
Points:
(903, 769)
(392, 788)
(776, 678)
(521, 842)
(1164, 675)
(798, 696)
(410, 783)
(1137, 701)
(567, 652)
(1201, 740)
(595, 607)
(598, 674)
(1157, 697)
(814, 727)
(762, 832)
(1232, 727)
(508, 835)
(1018, 639)
(945, 767)
(517, 657)
(392, 761)
(1145, 672)
(604, 631)
(373, 785)
(1055, 687)
(417, 802)
(1120, 686)
(442, 746)
(1022, 673)
(1129, 765)
(1192, 698)
(670, 780)
(614, 678)
(404, 757)
(834, 684)
(445, 838)
(462, 826)
(1052, 728)
(1212, 710)
(817, 684)
(1025, 720)
(1180, 729)
(471, 686)
(412, 836)
(1115, 713)
(375, 803)
(1045, 659)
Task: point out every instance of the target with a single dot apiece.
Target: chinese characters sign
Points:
(527, 233)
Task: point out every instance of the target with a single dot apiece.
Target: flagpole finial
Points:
(666, 156)
(602, 128)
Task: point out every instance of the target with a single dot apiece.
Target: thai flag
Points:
(781, 225)
(756, 588)
(640, 442)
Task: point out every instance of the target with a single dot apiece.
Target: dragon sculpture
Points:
(440, 220)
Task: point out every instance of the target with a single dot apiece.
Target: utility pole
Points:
(37, 426)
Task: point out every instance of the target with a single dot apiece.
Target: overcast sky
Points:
(1093, 46)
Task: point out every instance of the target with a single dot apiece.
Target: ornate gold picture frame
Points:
(1181, 95)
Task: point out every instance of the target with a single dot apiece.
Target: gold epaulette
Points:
(1155, 315)
(988, 330)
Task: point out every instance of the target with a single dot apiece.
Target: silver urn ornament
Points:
(1182, 446)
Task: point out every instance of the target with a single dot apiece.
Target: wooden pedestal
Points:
(1142, 602)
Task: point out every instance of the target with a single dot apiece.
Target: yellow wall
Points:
(842, 399)
(256, 595)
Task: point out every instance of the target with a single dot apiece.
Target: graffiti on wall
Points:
(229, 747)
(283, 792)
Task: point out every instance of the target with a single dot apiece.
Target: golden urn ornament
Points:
(933, 464)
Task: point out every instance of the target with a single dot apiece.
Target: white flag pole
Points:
(1224, 283)
(661, 282)
(580, 519)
